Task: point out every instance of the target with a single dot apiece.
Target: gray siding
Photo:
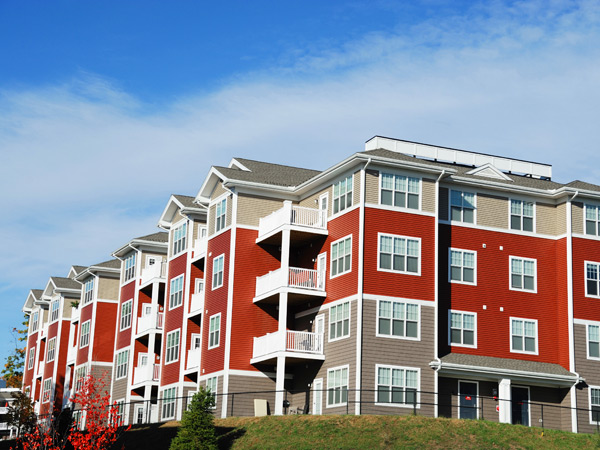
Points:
(588, 369)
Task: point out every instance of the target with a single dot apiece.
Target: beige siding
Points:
(157, 255)
(211, 220)
(228, 214)
(119, 388)
(356, 188)
(428, 190)
(577, 218)
(492, 211)
(108, 288)
(561, 219)
(251, 208)
(372, 182)
(546, 217)
(313, 200)
(217, 191)
(444, 203)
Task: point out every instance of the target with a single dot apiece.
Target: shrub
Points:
(197, 427)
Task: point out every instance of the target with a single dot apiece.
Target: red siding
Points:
(124, 337)
(85, 315)
(104, 339)
(584, 250)
(32, 342)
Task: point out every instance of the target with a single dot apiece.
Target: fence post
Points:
(542, 413)
(415, 404)
(232, 400)
(347, 400)
(481, 398)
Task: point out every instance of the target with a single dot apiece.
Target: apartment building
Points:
(406, 277)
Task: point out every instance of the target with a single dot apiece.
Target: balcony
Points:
(197, 303)
(303, 223)
(299, 281)
(199, 247)
(146, 374)
(193, 359)
(156, 271)
(298, 344)
(75, 312)
(3, 410)
(71, 354)
(152, 321)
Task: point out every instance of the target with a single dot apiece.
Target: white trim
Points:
(89, 322)
(462, 191)
(398, 405)
(209, 347)
(522, 258)
(476, 383)
(212, 275)
(325, 307)
(512, 386)
(407, 238)
(585, 278)
(182, 291)
(427, 303)
(397, 209)
(328, 330)
(590, 402)
(537, 337)
(507, 231)
(333, 369)
(349, 269)
(533, 218)
(177, 353)
(474, 314)
(395, 172)
(462, 250)
(392, 336)
(123, 350)
(587, 340)
(322, 393)
(121, 315)
(341, 213)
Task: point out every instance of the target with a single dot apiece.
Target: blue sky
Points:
(106, 108)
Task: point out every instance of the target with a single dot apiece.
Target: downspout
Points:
(436, 293)
(570, 307)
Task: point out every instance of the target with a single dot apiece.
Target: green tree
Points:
(13, 368)
(197, 426)
(21, 414)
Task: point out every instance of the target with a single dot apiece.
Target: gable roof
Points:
(160, 236)
(65, 283)
(267, 173)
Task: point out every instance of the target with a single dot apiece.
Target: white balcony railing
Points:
(75, 312)
(200, 245)
(193, 358)
(156, 270)
(290, 341)
(292, 215)
(150, 321)
(3, 409)
(147, 373)
(295, 278)
(71, 354)
(197, 303)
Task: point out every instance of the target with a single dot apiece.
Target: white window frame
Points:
(462, 266)
(462, 206)
(169, 404)
(212, 385)
(342, 258)
(120, 413)
(88, 291)
(407, 191)
(31, 358)
(121, 364)
(522, 274)
(405, 255)
(35, 321)
(198, 282)
(179, 239)
(347, 195)
(172, 349)
(403, 386)
(216, 331)
(220, 215)
(588, 340)
(334, 324)
(221, 271)
(332, 384)
(176, 288)
(46, 390)
(129, 268)
(51, 352)
(595, 220)
(54, 310)
(86, 335)
(521, 215)
(196, 338)
(523, 320)
(404, 304)
(80, 374)
(591, 405)
(462, 328)
(125, 318)
(596, 266)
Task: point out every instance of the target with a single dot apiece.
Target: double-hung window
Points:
(342, 194)
(129, 267)
(337, 386)
(462, 206)
(168, 407)
(88, 291)
(593, 340)
(80, 374)
(211, 387)
(341, 256)
(47, 390)
(84, 339)
(179, 238)
(592, 279)
(592, 219)
(176, 292)
(217, 269)
(31, 358)
(399, 254)
(398, 190)
(126, 314)
(462, 266)
(521, 215)
(594, 405)
(172, 349)
(34, 322)
(397, 319)
(523, 335)
(122, 364)
(51, 349)
(339, 321)
(54, 310)
(220, 215)
(463, 326)
(214, 331)
(397, 385)
(522, 274)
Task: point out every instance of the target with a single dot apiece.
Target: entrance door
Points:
(520, 405)
(323, 207)
(467, 400)
(321, 270)
(318, 396)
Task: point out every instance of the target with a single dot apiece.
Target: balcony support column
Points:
(504, 401)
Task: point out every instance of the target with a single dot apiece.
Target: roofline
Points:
(139, 242)
(92, 269)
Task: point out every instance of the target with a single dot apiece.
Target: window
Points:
(462, 328)
(54, 310)
(34, 322)
(339, 321)
(47, 390)
(51, 350)
(592, 279)
(521, 215)
(218, 264)
(462, 266)
(397, 385)
(126, 314)
(341, 256)
(211, 386)
(594, 405)
(176, 294)
(88, 291)
(172, 347)
(399, 254)
(397, 319)
(214, 331)
(337, 386)
(120, 413)
(522, 274)
(84, 339)
(220, 215)
(462, 206)
(122, 364)
(523, 335)
(593, 338)
(80, 374)
(342, 194)
(592, 217)
(398, 190)
(31, 358)
(195, 341)
(199, 286)
(179, 237)
(168, 409)
(129, 267)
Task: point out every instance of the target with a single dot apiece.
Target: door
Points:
(318, 396)
(323, 207)
(467, 400)
(139, 414)
(320, 330)
(520, 405)
(321, 270)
